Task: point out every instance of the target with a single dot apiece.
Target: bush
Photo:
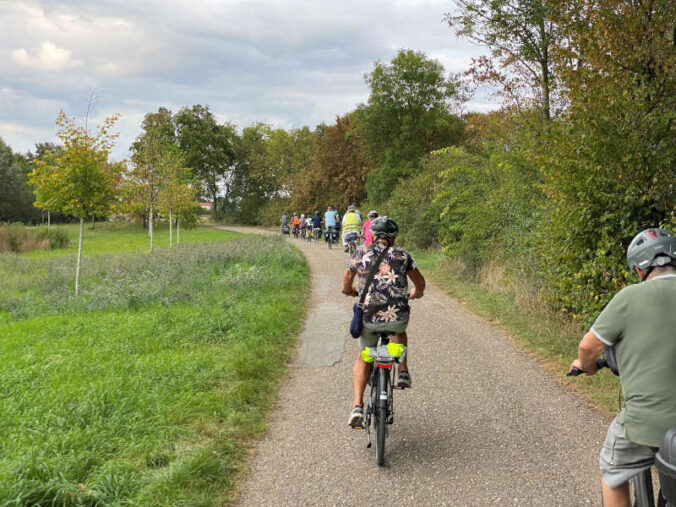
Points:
(271, 212)
(19, 238)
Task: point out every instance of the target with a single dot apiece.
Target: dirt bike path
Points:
(483, 424)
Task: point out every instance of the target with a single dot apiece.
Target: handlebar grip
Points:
(600, 364)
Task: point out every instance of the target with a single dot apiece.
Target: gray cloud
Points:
(289, 63)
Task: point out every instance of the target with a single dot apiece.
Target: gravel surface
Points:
(483, 424)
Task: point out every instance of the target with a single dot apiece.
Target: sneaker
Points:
(356, 419)
(347, 249)
(403, 380)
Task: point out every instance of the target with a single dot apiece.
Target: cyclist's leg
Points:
(403, 339)
(362, 369)
(615, 497)
(620, 460)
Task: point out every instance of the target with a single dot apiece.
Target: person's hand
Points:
(577, 364)
(415, 294)
(353, 293)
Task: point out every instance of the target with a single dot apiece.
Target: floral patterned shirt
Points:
(387, 299)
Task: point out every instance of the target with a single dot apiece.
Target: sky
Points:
(288, 63)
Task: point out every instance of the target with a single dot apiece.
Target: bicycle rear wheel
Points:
(381, 415)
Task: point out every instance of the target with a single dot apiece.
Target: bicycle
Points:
(380, 407)
(330, 234)
(317, 234)
(296, 231)
(352, 238)
(641, 485)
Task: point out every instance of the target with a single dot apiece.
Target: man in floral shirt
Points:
(386, 305)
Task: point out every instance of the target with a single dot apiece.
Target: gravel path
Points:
(483, 424)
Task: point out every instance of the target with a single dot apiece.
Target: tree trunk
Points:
(150, 227)
(171, 225)
(79, 258)
(49, 219)
(178, 231)
(93, 219)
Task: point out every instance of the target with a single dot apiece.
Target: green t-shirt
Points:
(641, 320)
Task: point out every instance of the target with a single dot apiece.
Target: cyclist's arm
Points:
(348, 280)
(589, 349)
(419, 284)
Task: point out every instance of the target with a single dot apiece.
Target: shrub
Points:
(19, 238)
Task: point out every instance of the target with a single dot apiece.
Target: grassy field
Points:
(534, 330)
(107, 237)
(148, 388)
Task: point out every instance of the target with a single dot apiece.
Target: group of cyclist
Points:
(352, 227)
(640, 321)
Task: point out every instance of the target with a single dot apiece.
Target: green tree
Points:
(79, 180)
(176, 198)
(521, 37)
(16, 196)
(610, 169)
(408, 115)
(208, 148)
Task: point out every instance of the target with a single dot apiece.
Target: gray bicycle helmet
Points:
(651, 248)
(384, 227)
(373, 214)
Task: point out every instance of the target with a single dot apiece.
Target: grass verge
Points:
(108, 237)
(148, 390)
(535, 330)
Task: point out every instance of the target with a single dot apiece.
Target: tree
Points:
(176, 197)
(338, 173)
(520, 35)
(610, 167)
(208, 148)
(152, 156)
(79, 180)
(16, 197)
(408, 115)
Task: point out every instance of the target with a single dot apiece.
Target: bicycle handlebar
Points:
(600, 364)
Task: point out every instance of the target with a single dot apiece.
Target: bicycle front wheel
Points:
(381, 415)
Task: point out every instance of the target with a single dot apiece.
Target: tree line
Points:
(551, 188)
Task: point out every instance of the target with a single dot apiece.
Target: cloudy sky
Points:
(285, 62)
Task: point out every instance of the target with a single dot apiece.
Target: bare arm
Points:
(348, 280)
(589, 349)
(419, 284)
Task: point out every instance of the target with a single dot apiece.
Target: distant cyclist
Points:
(351, 225)
(386, 305)
(366, 230)
(295, 221)
(330, 222)
(640, 320)
(302, 223)
(316, 223)
(285, 223)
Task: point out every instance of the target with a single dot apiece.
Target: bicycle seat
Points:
(386, 334)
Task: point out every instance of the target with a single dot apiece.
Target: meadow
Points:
(148, 388)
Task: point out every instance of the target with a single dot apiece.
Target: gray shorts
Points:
(621, 459)
(369, 334)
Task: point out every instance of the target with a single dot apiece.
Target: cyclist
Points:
(316, 223)
(308, 227)
(366, 230)
(329, 222)
(641, 321)
(351, 225)
(386, 305)
(285, 223)
(294, 223)
(301, 224)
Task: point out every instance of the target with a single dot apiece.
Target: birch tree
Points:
(177, 195)
(78, 180)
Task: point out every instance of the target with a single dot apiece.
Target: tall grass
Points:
(19, 238)
(146, 390)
